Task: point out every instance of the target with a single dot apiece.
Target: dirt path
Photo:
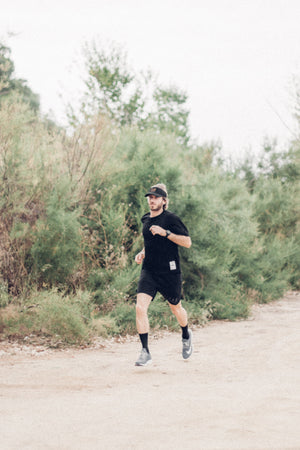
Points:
(240, 390)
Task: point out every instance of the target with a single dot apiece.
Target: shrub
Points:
(217, 211)
(64, 319)
(5, 298)
(124, 317)
(56, 247)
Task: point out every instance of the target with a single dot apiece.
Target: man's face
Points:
(155, 203)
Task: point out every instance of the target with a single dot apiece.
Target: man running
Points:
(163, 232)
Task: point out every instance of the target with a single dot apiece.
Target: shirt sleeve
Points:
(177, 226)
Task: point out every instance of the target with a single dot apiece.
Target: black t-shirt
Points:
(161, 254)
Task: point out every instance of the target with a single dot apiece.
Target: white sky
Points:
(236, 59)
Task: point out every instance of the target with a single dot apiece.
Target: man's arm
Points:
(179, 239)
(140, 256)
(183, 241)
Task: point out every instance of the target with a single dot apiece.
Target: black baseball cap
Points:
(158, 192)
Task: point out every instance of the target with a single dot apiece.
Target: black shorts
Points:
(168, 285)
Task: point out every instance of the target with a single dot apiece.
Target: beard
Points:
(156, 207)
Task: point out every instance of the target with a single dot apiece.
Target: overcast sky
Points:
(236, 59)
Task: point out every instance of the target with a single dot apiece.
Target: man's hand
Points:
(183, 241)
(139, 257)
(155, 229)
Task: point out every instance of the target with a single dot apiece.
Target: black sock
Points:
(185, 333)
(144, 340)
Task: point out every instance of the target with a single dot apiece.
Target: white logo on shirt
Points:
(172, 265)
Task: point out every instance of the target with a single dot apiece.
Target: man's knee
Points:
(142, 305)
(141, 309)
(176, 308)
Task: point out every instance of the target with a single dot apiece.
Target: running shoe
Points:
(187, 346)
(144, 358)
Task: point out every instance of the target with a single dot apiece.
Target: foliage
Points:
(223, 234)
(63, 319)
(275, 187)
(171, 113)
(20, 184)
(9, 84)
(5, 298)
(55, 252)
(71, 203)
(109, 84)
(129, 98)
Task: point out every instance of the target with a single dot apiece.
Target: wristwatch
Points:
(168, 232)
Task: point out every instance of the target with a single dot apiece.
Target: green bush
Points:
(277, 211)
(276, 207)
(110, 287)
(56, 248)
(160, 315)
(5, 298)
(124, 316)
(217, 210)
(63, 319)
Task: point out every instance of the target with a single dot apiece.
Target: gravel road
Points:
(239, 390)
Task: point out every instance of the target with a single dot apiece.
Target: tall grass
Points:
(63, 319)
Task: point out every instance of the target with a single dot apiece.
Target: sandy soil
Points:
(239, 390)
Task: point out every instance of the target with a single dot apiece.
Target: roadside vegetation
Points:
(71, 201)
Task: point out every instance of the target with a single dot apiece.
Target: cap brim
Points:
(153, 193)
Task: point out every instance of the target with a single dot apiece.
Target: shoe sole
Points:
(143, 365)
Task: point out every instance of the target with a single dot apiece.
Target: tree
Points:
(130, 98)
(9, 84)
(171, 113)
